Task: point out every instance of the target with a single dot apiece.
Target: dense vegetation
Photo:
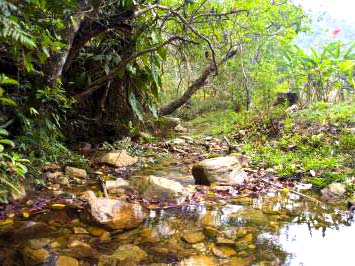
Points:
(73, 71)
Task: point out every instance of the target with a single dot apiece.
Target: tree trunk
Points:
(194, 87)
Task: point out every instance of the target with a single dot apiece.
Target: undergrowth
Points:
(316, 144)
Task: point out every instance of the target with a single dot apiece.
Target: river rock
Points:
(125, 253)
(193, 237)
(34, 256)
(224, 241)
(115, 186)
(80, 230)
(118, 159)
(221, 170)
(199, 261)
(96, 231)
(334, 190)
(211, 231)
(116, 214)
(26, 230)
(224, 252)
(160, 188)
(38, 243)
(75, 172)
(66, 261)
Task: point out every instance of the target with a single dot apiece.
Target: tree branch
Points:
(97, 83)
(195, 86)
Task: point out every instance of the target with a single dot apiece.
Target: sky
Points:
(341, 9)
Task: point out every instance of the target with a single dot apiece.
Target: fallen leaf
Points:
(58, 206)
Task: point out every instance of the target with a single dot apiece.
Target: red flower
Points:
(335, 32)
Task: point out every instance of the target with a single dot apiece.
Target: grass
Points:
(322, 112)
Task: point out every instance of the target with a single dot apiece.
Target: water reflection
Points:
(274, 229)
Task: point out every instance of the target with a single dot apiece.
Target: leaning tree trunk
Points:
(194, 87)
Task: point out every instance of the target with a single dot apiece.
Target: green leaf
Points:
(4, 80)
(4, 132)
(7, 142)
(135, 105)
(131, 69)
(7, 101)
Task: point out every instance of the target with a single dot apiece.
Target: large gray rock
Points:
(221, 170)
(114, 213)
(333, 191)
(125, 255)
(160, 187)
(117, 183)
(75, 172)
(118, 159)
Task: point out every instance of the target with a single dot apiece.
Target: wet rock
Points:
(243, 253)
(199, 261)
(50, 167)
(80, 252)
(66, 261)
(75, 172)
(74, 243)
(150, 235)
(19, 194)
(118, 159)
(34, 256)
(105, 237)
(113, 186)
(255, 217)
(224, 241)
(200, 247)
(96, 231)
(38, 243)
(54, 175)
(242, 261)
(55, 245)
(334, 190)
(211, 231)
(127, 252)
(26, 230)
(221, 170)
(193, 237)
(80, 230)
(116, 214)
(210, 218)
(224, 252)
(160, 188)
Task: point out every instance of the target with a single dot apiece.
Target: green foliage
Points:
(322, 112)
(318, 75)
(12, 168)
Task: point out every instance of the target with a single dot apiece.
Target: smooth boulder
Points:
(114, 213)
(220, 170)
(333, 191)
(75, 172)
(118, 159)
(160, 188)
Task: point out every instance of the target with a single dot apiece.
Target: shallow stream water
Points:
(270, 229)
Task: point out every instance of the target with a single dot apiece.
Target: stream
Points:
(274, 228)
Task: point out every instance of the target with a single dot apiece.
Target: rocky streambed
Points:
(183, 211)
